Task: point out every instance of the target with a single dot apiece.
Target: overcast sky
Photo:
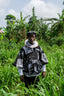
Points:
(43, 8)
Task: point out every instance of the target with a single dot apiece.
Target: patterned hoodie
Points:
(28, 48)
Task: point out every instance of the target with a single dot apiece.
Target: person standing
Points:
(31, 60)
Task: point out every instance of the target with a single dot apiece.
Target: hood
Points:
(35, 44)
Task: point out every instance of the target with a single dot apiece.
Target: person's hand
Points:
(22, 78)
(44, 74)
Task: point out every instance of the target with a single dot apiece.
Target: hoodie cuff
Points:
(44, 68)
(20, 70)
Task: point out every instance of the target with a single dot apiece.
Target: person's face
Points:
(31, 38)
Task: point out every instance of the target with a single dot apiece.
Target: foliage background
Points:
(51, 39)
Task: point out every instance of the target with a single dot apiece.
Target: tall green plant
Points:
(16, 29)
(33, 22)
(58, 27)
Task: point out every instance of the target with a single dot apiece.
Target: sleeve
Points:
(19, 60)
(20, 70)
(43, 57)
(44, 68)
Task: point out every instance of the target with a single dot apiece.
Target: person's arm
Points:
(20, 64)
(44, 61)
(21, 74)
(43, 57)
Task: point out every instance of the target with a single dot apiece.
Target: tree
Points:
(57, 31)
(58, 27)
(10, 26)
(33, 22)
(37, 25)
(21, 27)
(10, 18)
(16, 29)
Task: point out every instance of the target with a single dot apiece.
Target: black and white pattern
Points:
(21, 62)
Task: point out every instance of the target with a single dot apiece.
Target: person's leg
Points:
(29, 81)
(26, 81)
(36, 82)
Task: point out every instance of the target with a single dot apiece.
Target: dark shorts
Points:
(30, 80)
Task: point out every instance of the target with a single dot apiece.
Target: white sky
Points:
(43, 8)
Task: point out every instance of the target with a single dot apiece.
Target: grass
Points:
(51, 85)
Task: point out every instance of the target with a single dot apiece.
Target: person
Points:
(31, 60)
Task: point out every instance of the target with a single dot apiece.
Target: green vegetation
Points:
(51, 39)
(17, 29)
(51, 85)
